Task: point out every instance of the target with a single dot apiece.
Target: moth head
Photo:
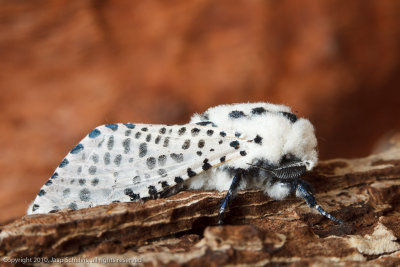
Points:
(301, 143)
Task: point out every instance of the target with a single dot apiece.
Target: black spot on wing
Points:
(210, 132)
(222, 159)
(95, 158)
(191, 173)
(92, 170)
(84, 195)
(101, 142)
(161, 160)
(130, 125)
(148, 138)
(95, 181)
(110, 143)
(177, 157)
(63, 163)
(162, 130)
(166, 142)
(162, 172)
(136, 179)
(201, 143)
(178, 180)
(142, 150)
(234, 144)
(106, 158)
(117, 159)
(152, 192)
(206, 165)
(186, 144)
(66, 192)
(78, 148)
(94, 133)
(182, 130)
(151, 163)
(128, 191)
(113, 127)
(133, 196)
(127, 145)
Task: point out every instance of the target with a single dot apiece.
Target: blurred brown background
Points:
(68, 66)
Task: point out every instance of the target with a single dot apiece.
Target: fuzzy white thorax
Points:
(279, 135)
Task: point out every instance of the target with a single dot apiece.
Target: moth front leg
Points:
(303, 190)
(226, 202)
(290, 174)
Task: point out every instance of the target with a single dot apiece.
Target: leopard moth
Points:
(228, 147)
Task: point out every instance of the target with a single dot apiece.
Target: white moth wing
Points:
(125, 162)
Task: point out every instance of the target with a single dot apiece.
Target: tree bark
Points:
(258, 230)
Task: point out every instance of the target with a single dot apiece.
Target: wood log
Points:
(258, 230)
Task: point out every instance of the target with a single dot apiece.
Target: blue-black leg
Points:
(303, 190)
(226, 202)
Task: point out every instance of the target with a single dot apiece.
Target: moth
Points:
(228, 147)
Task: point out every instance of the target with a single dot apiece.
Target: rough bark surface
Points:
(181, 229)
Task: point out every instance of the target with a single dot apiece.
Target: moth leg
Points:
(229, 196)
(303, 190)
